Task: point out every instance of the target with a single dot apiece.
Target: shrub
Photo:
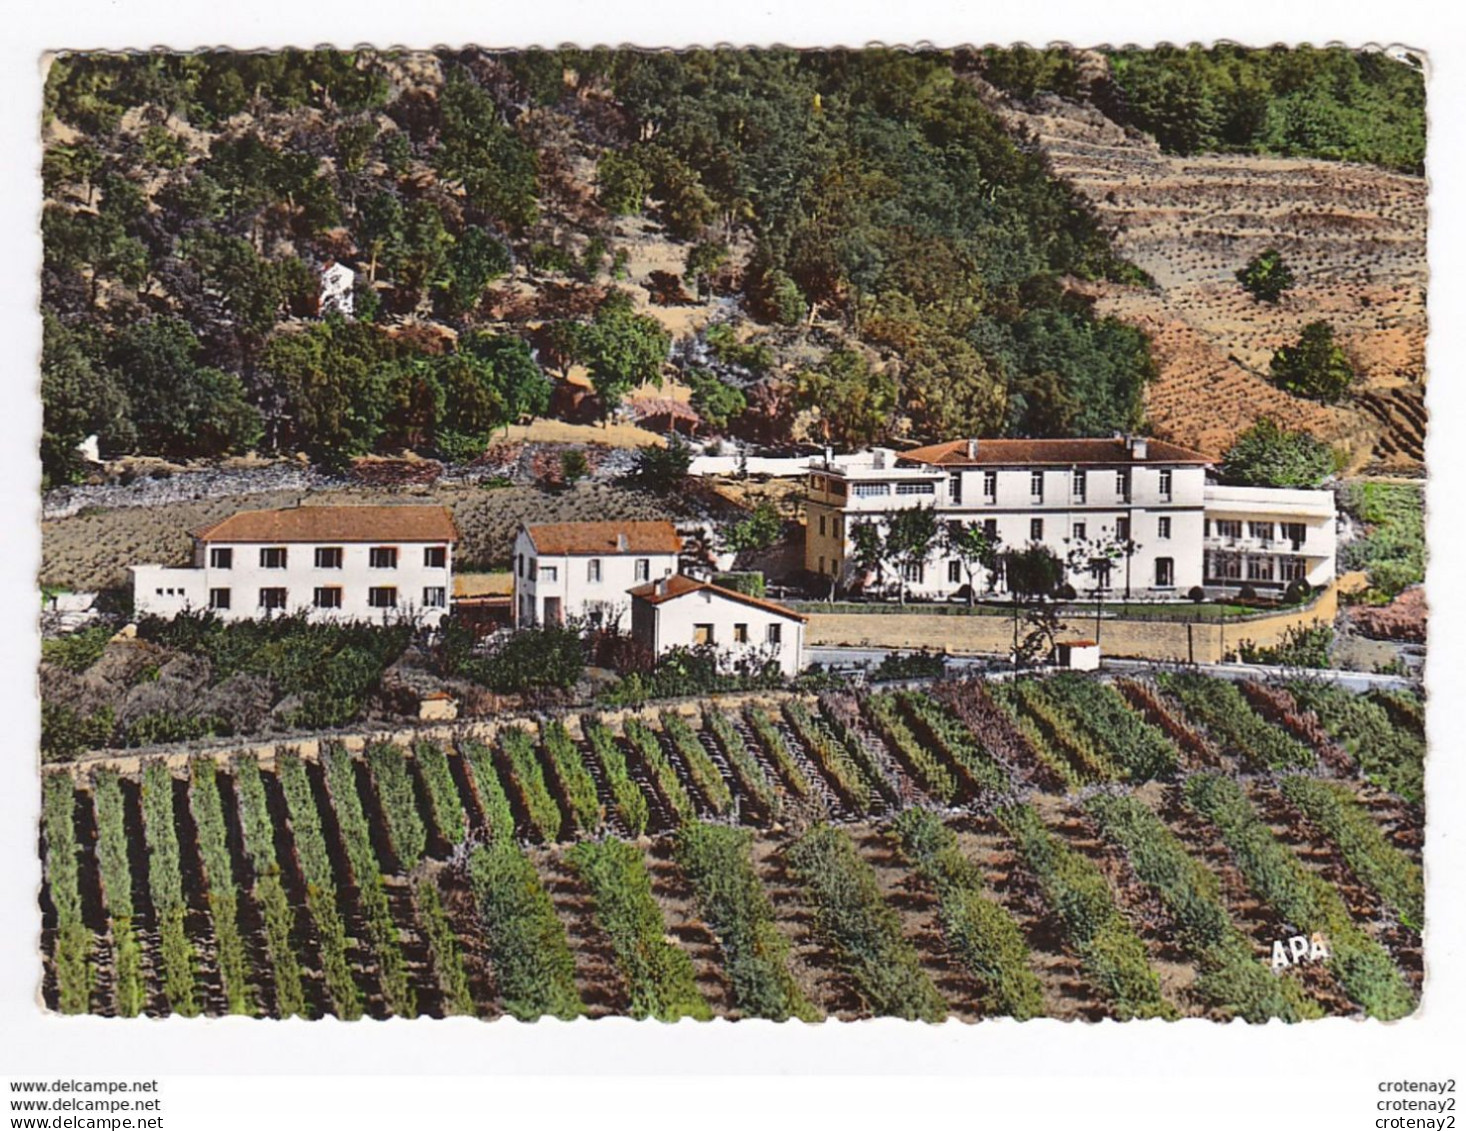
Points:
(1266, 276)
(1314, 367)
(77, 651)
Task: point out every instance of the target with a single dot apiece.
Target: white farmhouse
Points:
(333, 563)
(1065, 494)
(680, 612)
(337, 281)
(583, 570)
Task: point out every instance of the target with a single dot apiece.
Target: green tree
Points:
(1266, 276)
(1315, 367)
(868, 550)
(853, 404)
(911, 536)
(474, 261)
(1267, 455)
(1034, 575)
(79, 398)
(623, 183)
(976, 549)
(336, 384)
(499, 173)
(715, 401)
(758, 530)
(622, 349)
(179, 407)
(661, 470)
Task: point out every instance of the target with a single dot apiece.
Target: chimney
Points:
(661, 589)
(1137, 447)
(621, 544)
(972, 449)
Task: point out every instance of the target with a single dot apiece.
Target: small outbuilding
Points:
(682, 612)
(1077, 655)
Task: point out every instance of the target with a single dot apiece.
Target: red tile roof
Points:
(680, 585)
(604, 537)
(1003, 453)
(335, 524)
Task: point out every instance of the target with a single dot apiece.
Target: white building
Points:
(680, 612)
(1267, 537)
(583, 570)
(336, 294)
(1064, 494)
(334, 563)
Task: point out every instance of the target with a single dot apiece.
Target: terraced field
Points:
(1067, 847)
(1355, 237)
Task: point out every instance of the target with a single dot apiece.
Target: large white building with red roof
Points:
(1072, 495)
(378, 563)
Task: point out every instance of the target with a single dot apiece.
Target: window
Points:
(990, 529)
(1229, 528)
(382, 596)
(549, 573)
(954, 572)
(702, 634)
(272, 557)
(990, 486)
(221, 557)
(913, 571)
(1122, 486)
(1206, 528)
(593, 570)
(1036, 485)
(775, 634)
(1259, 567)
(926, 488)
(1262, 531)
(382, 557)
(218, 598)
(328, 557)
(1122, 529)
(1295, 533)
(519, 561)
(1035, 530)
(534, 568)
(434, 597)
(1165, 573)
(272, 598)
(643, 569)
(1226, 567)
(1080, 530)
(328, 597)
(1291, 569)
(1081, 485)
(434, 557)
(870, 490)
(1163, 527)
(822, 526)
(740, 634)
(954, 489)
(1165, 486)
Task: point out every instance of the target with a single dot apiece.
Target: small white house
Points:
(680, 612)
(582, 570)
(333, 563)
(337, 281)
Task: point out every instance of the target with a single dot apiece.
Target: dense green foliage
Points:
(1302, 898)
(1076, 890)
(718, 861)
(393, 784)
(1268, 455)
(527, 773)
(1315, 366)
(891, 217)
(165, 886)
(699, 766)
(1332, 102)
(333, 668)
(979, 931)
(76, 651)
(576, 784)
(498, 814)
(659, 974)
(1301, 647)
(1266, 276)
(1140, 750)
(1392, 549)
(861, 927)
(1232, 980)
(1390, 753)
(445, 807)
(830, 753)
(116, 873)
(751, 776)
(207, 809)
(447, 956)
(630, 802)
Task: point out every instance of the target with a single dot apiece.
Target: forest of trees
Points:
(875, 226)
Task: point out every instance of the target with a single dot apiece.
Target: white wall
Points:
(300, 578)
(578, 595)
(676, 621)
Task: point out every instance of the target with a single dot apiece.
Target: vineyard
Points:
(1062, 846)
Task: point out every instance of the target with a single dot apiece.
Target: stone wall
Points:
(1202, 643)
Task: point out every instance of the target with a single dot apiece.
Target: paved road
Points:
(834, 657)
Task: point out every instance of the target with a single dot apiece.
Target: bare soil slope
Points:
(1353, 235)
